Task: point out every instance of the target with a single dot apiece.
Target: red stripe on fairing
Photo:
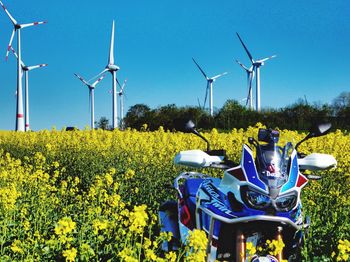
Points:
(36, 23)
(4, 7)
(19, 115)
(302, 180)
(27, 125)
(238, 173)
(9, 48)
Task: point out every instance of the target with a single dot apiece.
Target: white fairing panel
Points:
(196, 158)
(317, 161)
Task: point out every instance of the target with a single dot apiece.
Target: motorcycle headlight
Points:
(286, 203)
(257, 200)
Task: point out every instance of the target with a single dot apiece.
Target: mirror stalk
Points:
(198, 134)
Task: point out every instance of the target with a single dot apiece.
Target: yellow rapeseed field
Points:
(93, 195)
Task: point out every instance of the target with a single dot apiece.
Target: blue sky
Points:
(154, 43)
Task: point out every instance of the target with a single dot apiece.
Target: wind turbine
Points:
(26, 70)
(256, 67)
(91, 97)
(121, 97)
(210, 81)
(250, 77)
(17, 28)
(113, 68)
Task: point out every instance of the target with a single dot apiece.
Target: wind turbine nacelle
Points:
(113, 67)
(258, 63)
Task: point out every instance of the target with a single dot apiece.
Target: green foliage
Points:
(298, 116)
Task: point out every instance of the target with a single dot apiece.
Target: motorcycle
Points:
(256, 201)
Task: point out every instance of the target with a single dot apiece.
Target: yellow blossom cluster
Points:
(93, 195)
(343, 251)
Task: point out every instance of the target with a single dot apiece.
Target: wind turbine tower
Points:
(91, 97)
(113, 68)
(256, 67)
(210, 81)
(17, 28)
(26, 70)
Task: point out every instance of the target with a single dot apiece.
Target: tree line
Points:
(298, 116)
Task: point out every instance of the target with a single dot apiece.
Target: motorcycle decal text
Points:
(215, 200)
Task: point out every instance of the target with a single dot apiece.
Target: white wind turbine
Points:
(121, 97)
(250, 77)
(91, 97)
(210, 81)
(112, 68)
(17, 28)
(256, 67)
(26, 70)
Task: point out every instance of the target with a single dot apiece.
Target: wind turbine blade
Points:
(206, 96)
(111, 47)
(32, 24)
(217, 76)
(118, 82)
(10, 44)
(104, 71)
(97, 81)
(200, 68)
(14, 22)
(199, 103)
(245, 48)
(251, 76)
(243, 66)
(15, 54)
(36, 66)
(122, 87)
(82, 79)
(267, 58)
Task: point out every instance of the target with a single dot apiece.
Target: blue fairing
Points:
(293, 174)
(217, 203)
(250, 170)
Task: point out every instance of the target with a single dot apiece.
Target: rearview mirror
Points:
(190, 126)
(319, 130)
(315, 131)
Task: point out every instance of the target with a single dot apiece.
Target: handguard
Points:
(196, 158)
(316, 161)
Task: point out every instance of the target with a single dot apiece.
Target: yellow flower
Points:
(344, 250)
(147, 243)
(109, 179)
(275, 246)
(129, 174)
(151, 255)
(171, 256)
(99, 224)
(70, 254)
(127, 255)
(64, 226)
(138, 219)
(8, 197)
(251, 250)
(16, 247)
(197, 239)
